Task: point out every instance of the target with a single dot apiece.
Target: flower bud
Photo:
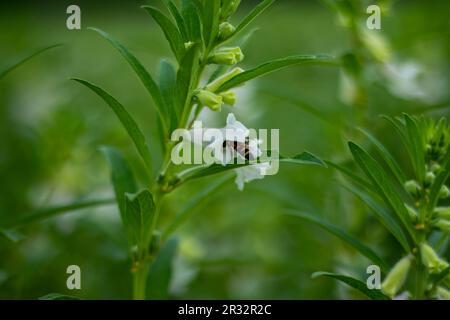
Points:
(435, 168)
(442, 212)
(216, 84)
(229, 98)
(209, 99)
(442, 224)
(413, 188)
(396, 277)
(429, 179)
(444, 192)
(188, 45)
(431, 260)
(227, 56)
(443, 294)
(226, 30)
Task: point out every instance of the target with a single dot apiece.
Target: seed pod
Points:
(413, 188)
(226, 30)
(431, 260)
(396, 277)
(209, 99)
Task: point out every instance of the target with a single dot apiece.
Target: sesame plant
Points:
(200, 77)
(409, 204)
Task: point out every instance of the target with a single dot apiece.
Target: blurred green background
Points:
(238, 245)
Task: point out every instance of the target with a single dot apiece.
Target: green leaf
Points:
(439, 182)
(362, 182)
(58, 296)
(167, 84)
(272, 66)
(211, 22)
(343, 235)
(387, 157)
(384, 216)
(43, 214)
(187, 211)
(139, 212)
(127, 121)
(373, 294)
(257, 10)
(380, 179)
(178, 18)
(121, 176)
(190, 12)
(170, 30)
(161, 272)
(141, 72)
(416, 145)
(11, 235)
(7, 70)
(186, 77)
(304, 158)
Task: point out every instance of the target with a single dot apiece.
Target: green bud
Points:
(188, 45)
(431, 260)
(442, 212)
(209, 99)
(442, 224)
(228, 97)
(396, 277)
(435, 168)
(412, 213)
(226, 30)
(227, 56)
(443, 294)
(429, 179)
(413, 188)
(216, 84)
(444, 192)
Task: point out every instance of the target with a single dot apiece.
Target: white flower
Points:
(250, 173)
(231, 144)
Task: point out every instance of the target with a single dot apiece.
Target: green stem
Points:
(140, 280)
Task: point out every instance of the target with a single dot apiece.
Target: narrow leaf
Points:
(43, 214)
(170, 30)
(127, 121)
(141, 72)
(190, 12)
(199, 198)
(259, 9)
(274, 65)
(380, 179)
(343, 235)
(384, 216)
(417, 146)
(439, 182)
(387, 157)
(11, 235)
(161, 271)
(7, 70)
(121, 176)
(373, 294)
(167, 84)
(178, 18)
(58, 296)
(139, 210)
(211, 22)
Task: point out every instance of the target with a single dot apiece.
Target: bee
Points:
(242, 148)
